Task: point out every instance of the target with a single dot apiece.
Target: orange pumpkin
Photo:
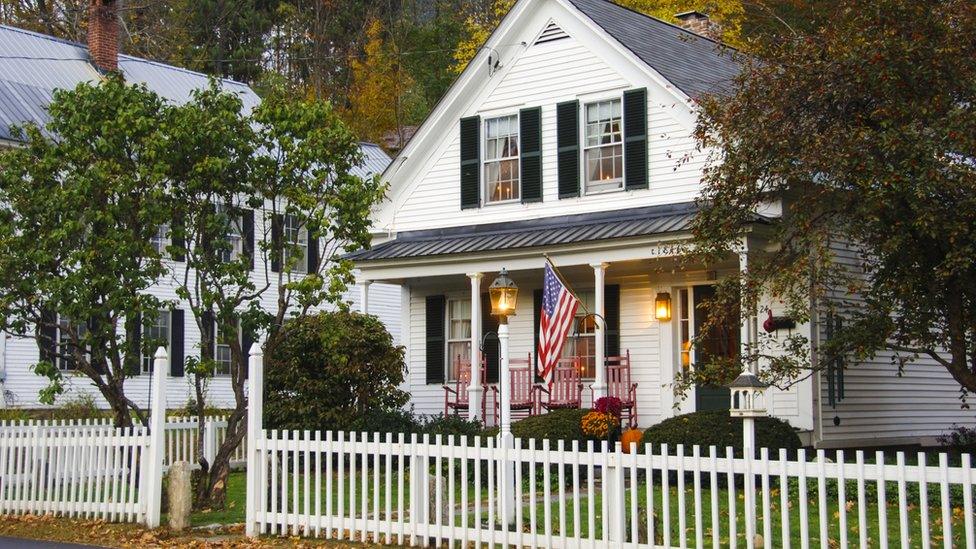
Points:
(631, 436)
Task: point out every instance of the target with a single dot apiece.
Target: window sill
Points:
(503, 202)
(607, 191)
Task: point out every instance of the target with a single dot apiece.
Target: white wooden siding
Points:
(23, 384)
(640, 334)
(544, 75)
(878, 403)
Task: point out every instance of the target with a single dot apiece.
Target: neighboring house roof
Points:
(533, 233)
(695, 64)
(33, 65)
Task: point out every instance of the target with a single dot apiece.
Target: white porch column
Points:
(600, 378)
(748, 335)
(475, 390)
(364, 296)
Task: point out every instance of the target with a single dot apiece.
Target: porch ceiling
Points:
(535, 233)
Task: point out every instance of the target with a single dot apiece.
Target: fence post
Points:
(614, 490)
(255, 430)
(209, 439)
(153, 480)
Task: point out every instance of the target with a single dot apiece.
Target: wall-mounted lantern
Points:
(662, 306)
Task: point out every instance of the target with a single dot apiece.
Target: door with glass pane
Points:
(696, 347)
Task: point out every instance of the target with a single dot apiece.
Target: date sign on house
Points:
(774, 323)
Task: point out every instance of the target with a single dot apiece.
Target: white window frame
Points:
(218, 347)
(485, 161)
(147, 360)
(235, 234)
(161, 240)
(449, 366)
(59, 359)
(586, 148)
(685, 316)
(301, 240)
(572, 339)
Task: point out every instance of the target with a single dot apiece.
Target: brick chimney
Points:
(700, 24)
(103, 34)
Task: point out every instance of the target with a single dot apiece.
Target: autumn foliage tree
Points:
(865, 128)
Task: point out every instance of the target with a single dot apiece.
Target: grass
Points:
(234, 512)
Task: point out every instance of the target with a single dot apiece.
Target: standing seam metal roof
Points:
(571, 229)
(33, 65)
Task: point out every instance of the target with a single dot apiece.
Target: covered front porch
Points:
(617, 263)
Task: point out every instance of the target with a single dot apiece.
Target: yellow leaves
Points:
(727, 13)
(479, 26)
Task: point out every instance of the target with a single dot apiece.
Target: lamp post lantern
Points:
(748, 395)
(503, 294)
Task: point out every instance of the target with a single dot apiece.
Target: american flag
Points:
(558, 310)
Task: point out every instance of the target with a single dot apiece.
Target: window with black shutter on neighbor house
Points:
(296, 242)
(160, 240)
(66, 350)
(234, 238)
(603, 156)
(222, 353)
(156, 333)
(502, 159)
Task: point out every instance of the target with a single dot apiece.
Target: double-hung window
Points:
(458, 335)
(502, 159)
(233, 238)
(296, 244)
(582, 344)
(65, 345)
(603, 153)
(155, 333)
(160, 240)
(222, 354)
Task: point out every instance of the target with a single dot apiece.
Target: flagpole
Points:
(562, 279)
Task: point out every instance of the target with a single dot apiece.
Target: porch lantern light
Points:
(662, 306)
(748, 396)
(503, 294)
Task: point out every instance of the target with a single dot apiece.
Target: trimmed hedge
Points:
(717, 428)
(554, 426)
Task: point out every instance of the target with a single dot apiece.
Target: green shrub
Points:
(397, 420)
(554, 426)
(325, 371)
(717, 428)
(452, 425)
(82, 406)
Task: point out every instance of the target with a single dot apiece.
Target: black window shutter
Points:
(635, 139)
(611, 310)
(489, 324)
(536, 311)
(470, 162)
(98, 361)
(176, 345)
(277, 229)
(247, 236)
(47, 336)
(313, 253)
(567, 148)
(133, 334)
(435, 339)
(530, 149)
(177, 236)
(208, 335)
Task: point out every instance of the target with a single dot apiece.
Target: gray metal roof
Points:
(550, 231)
(33, 65)
(696, 65)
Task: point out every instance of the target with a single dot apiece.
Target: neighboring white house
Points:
(570, 134)
(32, 66)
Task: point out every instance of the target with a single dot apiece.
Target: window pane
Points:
(501, 159)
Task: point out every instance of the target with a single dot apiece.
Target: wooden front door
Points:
(722, 340)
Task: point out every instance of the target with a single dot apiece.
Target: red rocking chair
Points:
(456, 395)
(619, 386)
(566, 391)
(523, 396)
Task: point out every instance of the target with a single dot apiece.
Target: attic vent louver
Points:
(551, 33)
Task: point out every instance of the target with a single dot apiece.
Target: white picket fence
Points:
(180, 439)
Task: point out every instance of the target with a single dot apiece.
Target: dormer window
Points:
(502, 159)
(603, 153)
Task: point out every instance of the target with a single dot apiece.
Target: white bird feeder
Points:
(748, 396)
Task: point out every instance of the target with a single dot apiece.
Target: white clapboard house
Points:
(570, 134)
(32, 66)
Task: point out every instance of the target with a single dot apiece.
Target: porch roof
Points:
(531, 233)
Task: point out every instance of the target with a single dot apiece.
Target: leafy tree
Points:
(729, 14)
(79, 204)
(380, 99)
(865, 129)
(480, 22)
(329, 370)
(289, 160)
